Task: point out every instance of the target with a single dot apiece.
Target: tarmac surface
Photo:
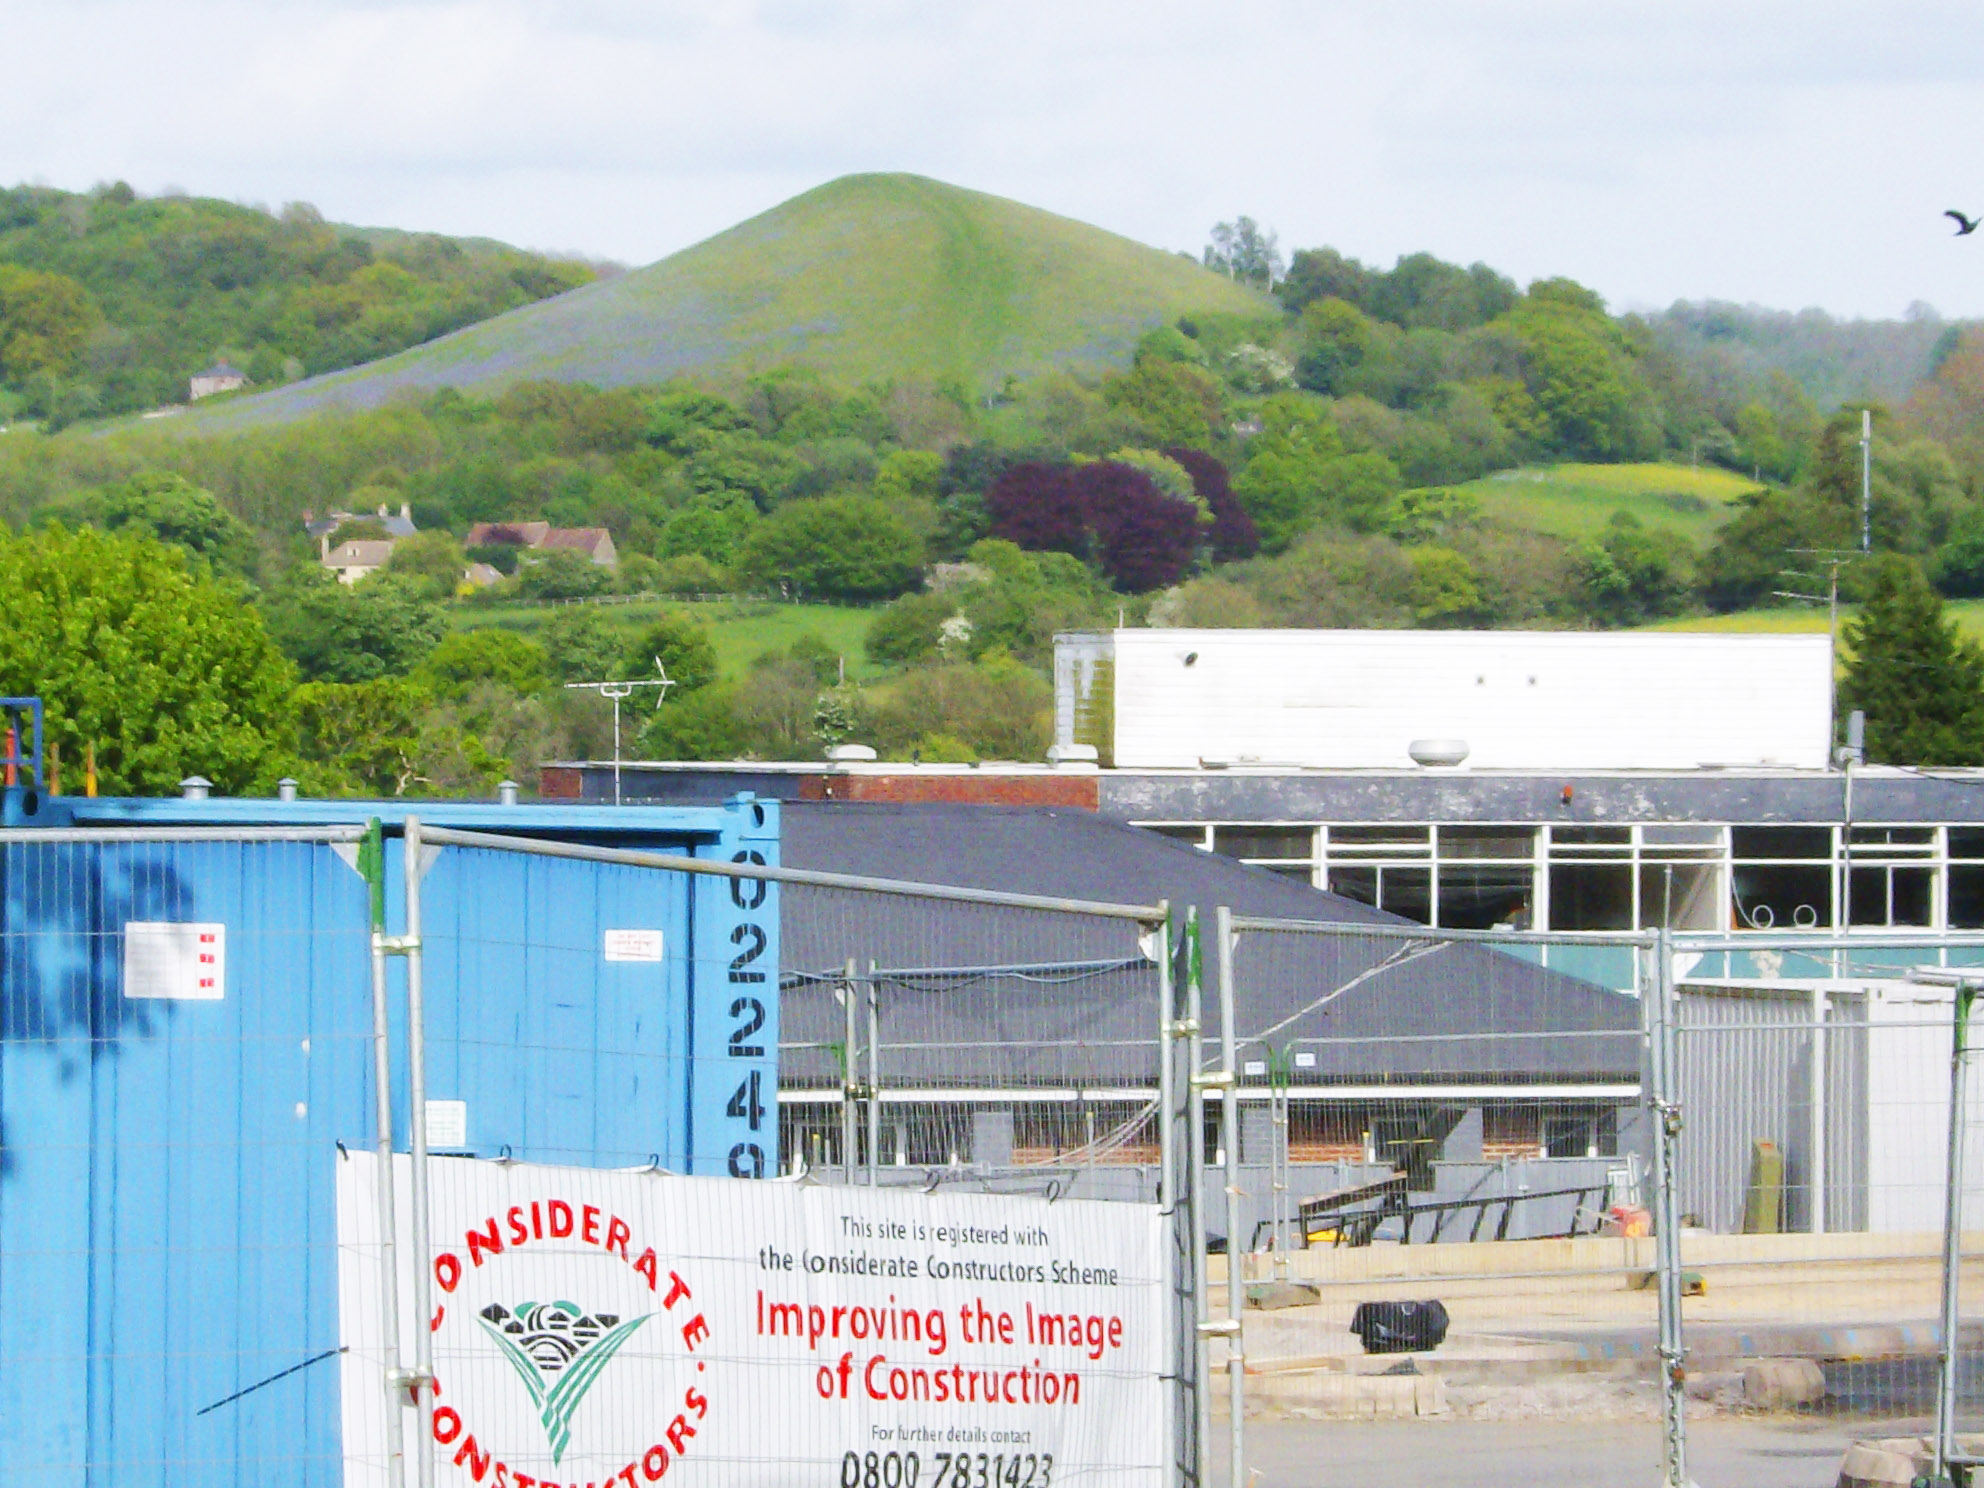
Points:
(1722, 1453)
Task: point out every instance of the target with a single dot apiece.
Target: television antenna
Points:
(616, 691)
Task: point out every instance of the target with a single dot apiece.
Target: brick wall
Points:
(1080, 791)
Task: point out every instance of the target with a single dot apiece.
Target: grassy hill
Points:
(1577, 501)
(126, 296)
(869, 276)
(740, 630)
(1968, 614)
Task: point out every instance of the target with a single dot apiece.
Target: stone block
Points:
(1780, 1384)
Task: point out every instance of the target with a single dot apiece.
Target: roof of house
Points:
(396, 524)
(983, 995)
(512, 534)
(222, 369)
(583, 539)
(360, 552)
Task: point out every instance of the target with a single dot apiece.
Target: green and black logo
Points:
(558, 1350)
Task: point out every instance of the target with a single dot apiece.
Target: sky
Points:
(1782, 154)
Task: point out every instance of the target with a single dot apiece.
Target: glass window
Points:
(1782, 896)
(1910, 840)
(1591, 1134)
(1300, 872)
(1680, 896)
(1283, 843)
(1398, 890)
(1392, 837)
(1682, 835)
(1967, 842)
(1890, 896)
(1783, 843)
(1613, 837)
(1591, 896)
(1474, 898)
(1194, 835)
(1488, 842)
(1966, 896)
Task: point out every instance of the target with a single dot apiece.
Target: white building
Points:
(219, 378)
(358, 559)
(1362, 699)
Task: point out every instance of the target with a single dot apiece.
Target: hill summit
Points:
(868, 276)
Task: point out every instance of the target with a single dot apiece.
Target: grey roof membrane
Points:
(973, 995)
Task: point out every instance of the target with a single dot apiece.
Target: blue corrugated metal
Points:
(166, 1228)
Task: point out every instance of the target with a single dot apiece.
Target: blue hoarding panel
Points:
(168, 1306)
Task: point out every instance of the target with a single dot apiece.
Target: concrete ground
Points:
(1722, 1453)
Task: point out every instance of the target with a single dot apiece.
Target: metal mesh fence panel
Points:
(1813, 1188)
(920, 1067)
(930, 1041)
(185, 1037)
(1443, 1159)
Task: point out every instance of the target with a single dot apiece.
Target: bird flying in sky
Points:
(1965, 226)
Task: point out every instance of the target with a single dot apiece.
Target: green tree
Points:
(431, 563)
(910, 628)
(45, 323)
(1751, 552)
(583, 646)
(712, 526)
(361, 737)
(910, 475)
(1174, 402)
(683, 648)
(1629, 575)
(1582, 374)
(1285, 482)
(562, 573)
(834, 547)
(164, 670)
(1337, 339)
(1920, 683)
(1445, 590)
(465, 658)
(1960, 561)
(335, 633)
(174, 510)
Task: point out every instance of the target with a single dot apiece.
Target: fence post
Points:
(1188, 1399)
(874, 1083)
(1236, 1285)
(1961, 998)
(850, 1080)
(416, 1063)
(372, 868)
(1663, 1101)
(1194, 1157)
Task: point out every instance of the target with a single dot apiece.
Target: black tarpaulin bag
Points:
(1399, 1327)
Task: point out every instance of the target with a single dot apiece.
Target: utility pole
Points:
(1866, 480)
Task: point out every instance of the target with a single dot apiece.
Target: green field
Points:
(741, 630)
(1577, 501)
(1968, 614)
(867, 278)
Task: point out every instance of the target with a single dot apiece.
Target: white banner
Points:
(598, 1329)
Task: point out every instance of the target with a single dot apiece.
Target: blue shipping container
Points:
(167, 1237)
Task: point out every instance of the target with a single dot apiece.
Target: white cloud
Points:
(1786, 153)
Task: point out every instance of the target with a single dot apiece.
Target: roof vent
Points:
(195, 788)
(286, 788)
(506, 793)
(1436, 752)
(850, 754)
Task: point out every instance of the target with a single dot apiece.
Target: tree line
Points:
(1303, 466)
